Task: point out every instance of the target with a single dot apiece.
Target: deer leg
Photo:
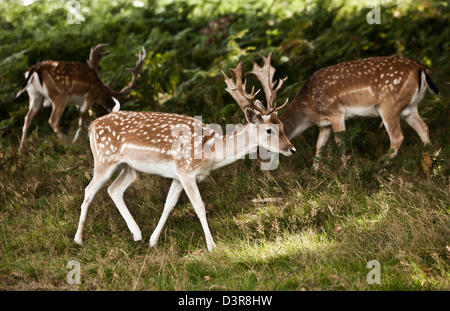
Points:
(116, 190)
(80, 127)
(391, 122)
(59, 104)
(416, 122)
(338, 126)
(190, 187)
(101, 176)
(83, 112)
(171, 201)
(35, 105)
(324, 135)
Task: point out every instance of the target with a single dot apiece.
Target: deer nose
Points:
(293, 150)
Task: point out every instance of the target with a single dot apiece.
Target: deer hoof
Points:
(153, 243)
(78, 240)
(137, 237)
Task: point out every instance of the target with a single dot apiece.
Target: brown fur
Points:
(62, 83)
(383, 86)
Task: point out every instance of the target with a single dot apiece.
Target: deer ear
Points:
(252, 115)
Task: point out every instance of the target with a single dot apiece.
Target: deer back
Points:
(361, 83)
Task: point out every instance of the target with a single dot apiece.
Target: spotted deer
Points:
(390, 87)
(181, 148)
(59, 83)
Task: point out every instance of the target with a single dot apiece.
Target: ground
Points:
(319, 233)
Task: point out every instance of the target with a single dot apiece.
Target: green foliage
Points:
(188, 42)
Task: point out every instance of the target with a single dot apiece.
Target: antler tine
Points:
(232, 88)
(134, 72)
(96, 55)
(280, 83)
(242, 87)
(275, 109)
(141, 56)
(269, 77)
(237, 89)
(265, 76)
(252, 94)
(97, 49)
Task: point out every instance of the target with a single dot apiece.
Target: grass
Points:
(320, 236)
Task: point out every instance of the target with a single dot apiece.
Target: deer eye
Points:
(269, 131)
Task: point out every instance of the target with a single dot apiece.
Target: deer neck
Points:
(232, 147)
(295, 119)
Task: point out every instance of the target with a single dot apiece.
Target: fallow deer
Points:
(165, 144)
(390, 87)
(59, 83)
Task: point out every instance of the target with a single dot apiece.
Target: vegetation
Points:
(323, 227)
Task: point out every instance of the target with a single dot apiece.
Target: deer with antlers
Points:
(387, 87)
(181, 148)
(59, 84)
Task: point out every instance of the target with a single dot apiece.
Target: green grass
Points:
(328, 225)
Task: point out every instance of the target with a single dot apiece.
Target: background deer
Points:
(151, 142)
(389, 87)
(59, 84)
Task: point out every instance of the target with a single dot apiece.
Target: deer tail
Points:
(430, 85)
(116, 106)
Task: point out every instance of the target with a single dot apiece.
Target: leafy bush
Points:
(188, 42)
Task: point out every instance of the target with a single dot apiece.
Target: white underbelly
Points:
(161, 168)
(324, 122)
(370, 111)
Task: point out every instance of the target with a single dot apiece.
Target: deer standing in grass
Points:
(389, 87)
(59, 84)
(165, 144)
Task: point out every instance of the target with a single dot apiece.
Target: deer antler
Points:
(265, 76)
(237, 90)
(134, 72)
(96, 55)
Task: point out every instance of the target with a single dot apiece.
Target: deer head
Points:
(268, 126)
(93, 62)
